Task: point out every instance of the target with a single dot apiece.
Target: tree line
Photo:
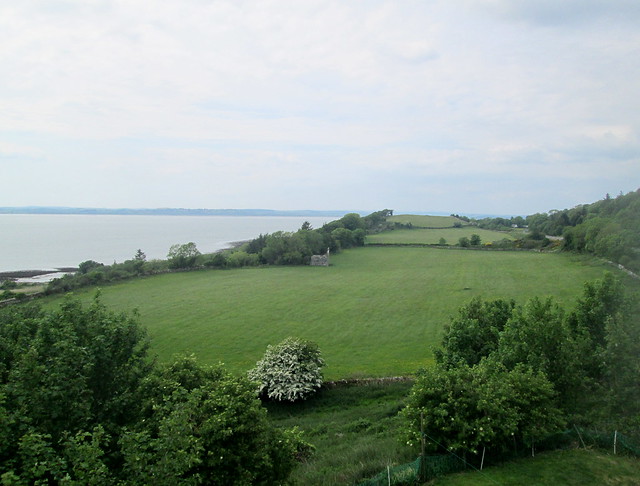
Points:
(609, 228)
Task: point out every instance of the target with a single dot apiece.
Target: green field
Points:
(577, 467)
(425, 221)
(432, 236)
(375, 312)
(356, 431)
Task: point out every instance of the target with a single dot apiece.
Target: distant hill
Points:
(168, 211)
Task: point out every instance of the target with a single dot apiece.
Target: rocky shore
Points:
(34, 273)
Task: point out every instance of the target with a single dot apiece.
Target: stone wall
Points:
(320, 260)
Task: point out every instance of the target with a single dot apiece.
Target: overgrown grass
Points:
(425, 221)
(577, 467)
(355, 429)
(433, 236)
(375, 312)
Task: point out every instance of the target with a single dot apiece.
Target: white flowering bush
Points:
(289, 371)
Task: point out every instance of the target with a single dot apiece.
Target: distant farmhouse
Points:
(320, 260)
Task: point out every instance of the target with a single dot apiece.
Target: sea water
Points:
(52, 241)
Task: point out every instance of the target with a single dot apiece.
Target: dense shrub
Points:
(217, 260)
(241, 258)
(464, 409)
(183, 256)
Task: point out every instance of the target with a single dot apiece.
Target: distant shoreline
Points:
(11, 275)
(26, 274)
(169, 211)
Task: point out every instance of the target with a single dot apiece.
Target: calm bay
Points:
(51, 241)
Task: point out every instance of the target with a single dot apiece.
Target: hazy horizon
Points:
(44, 210)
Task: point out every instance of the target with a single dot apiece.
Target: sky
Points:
(506, 107)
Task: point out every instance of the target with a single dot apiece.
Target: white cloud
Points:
(263, 93)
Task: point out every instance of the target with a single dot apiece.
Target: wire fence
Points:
(425, 468)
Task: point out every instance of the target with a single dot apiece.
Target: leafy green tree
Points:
(289, 371)
(463, 409)
(139, 259)
(474, 332)
(85, 456)
(204, 426)
(257, 244)
(601, 301)
(217, 260)
(537, 336)
(359, 235)
(475, 240)
(237, 259)
(87, 266)
(464, 242)
(621, 375)
(344, 237)
(609, 326)
(81, 404)
(183, 256)
(376, 221)
(63, 373)
(353, 221)
(282, 248)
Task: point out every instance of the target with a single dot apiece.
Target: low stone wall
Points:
(320, 260)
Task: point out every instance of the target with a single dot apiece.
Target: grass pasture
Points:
(425, 221)
(577, 467)
(419, 236)
(376, 311)
(356, 431)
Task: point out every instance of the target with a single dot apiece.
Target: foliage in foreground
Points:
(289, 371)
(80, 403)
(510, 374)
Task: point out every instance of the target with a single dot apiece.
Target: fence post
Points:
(533, 451)
(615, 441)
(580, 435)
(422, 473)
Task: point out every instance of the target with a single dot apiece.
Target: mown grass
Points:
(425, 221)
(577, 467)
(377, 311)
(432, 236)
(356, 431)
